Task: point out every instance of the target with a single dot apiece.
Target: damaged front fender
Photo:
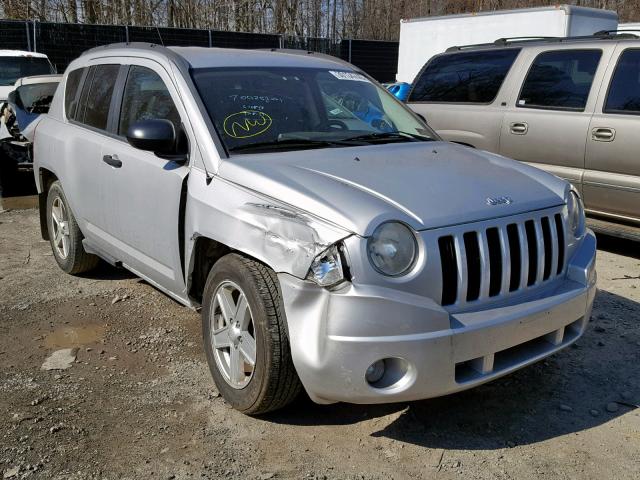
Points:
(279, 235)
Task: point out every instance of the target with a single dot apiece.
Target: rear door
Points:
(462, 95)
(612, 166)
(547, 122)
(147, 190)
(84, 174)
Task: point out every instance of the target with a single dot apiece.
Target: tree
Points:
(374, 19)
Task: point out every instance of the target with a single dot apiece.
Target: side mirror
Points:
(154, 135)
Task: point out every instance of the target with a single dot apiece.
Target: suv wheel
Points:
(65, 235)
(245, 336)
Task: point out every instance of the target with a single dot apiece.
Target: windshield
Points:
(13, 68)
(265, 108)
(35, 98)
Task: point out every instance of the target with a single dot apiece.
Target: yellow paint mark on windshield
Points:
(247, 123)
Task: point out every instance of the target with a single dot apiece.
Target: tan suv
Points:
(570, 106)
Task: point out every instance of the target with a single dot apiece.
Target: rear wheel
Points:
(245, 337)
(65, 235)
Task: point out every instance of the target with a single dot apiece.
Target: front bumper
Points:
(336, 335)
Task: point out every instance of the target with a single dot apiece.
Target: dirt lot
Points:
(139, 402)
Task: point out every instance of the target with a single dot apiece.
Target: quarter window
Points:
(71, 92)
(469, 77)
(146, 97)
(99, 98)
(560, 80)
(624, 92)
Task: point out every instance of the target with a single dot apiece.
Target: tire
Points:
(67, 248)
(272, 382)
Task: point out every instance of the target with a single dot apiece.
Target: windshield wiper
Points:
(292, 143)
(389, 136)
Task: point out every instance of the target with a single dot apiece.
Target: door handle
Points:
(603, 134)
(519, 128)
(112, 160)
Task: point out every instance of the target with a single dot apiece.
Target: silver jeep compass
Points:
(331, 240)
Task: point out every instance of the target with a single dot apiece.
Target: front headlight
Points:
(326, 269)
(575, 214)
(392, 249)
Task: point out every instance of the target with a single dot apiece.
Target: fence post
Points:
(349, 50)
(26, 27)
(210, 39)
(126, 33)
(281, 40)
(35, 40)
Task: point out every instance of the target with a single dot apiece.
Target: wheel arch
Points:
(205, 253)
(45, 179)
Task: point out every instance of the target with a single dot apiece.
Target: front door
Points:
(147, 189)
(548, 123)
(612, 165)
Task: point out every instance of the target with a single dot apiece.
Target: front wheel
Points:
(245, 336)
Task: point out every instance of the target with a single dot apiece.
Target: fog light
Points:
(375, 371)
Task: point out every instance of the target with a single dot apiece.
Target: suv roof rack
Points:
(601, 35)
(298, 51)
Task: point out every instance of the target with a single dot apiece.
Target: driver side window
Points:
(146, 97)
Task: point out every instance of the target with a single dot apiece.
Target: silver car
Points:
(331, 240)
(570, 106)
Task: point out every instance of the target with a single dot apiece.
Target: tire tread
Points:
(286, 385)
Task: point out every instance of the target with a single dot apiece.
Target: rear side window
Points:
(71, 92)
(98, 99)
(470, 77)
(624, 91)
(560, 80)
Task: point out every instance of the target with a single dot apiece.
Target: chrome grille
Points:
(492, 260)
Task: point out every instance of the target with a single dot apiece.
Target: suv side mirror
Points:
(154, 135)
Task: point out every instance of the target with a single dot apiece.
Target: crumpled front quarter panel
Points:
(264, 228)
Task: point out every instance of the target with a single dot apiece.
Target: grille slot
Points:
(516, 257)
(548, 248)
(560, 233)
(449, 263)
(473, 265)
(532, 248)
(494, 260)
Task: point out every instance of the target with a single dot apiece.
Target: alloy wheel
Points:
(60, 228)
(233, 335)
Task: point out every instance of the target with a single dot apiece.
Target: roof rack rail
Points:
(601, 35)
(627, 31)
(505, 40)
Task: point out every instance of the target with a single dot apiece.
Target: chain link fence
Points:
(63, 42)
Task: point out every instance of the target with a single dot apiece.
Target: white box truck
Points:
(634, 26)
(422, 38)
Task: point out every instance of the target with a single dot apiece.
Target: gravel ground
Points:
(138, 401)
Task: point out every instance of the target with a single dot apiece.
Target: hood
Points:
(426, 184)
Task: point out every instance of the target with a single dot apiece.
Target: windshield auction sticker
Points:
(353, 76)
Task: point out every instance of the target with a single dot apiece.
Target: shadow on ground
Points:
(105, 271)
(522, 408)
(619, 246)
(18, 184)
